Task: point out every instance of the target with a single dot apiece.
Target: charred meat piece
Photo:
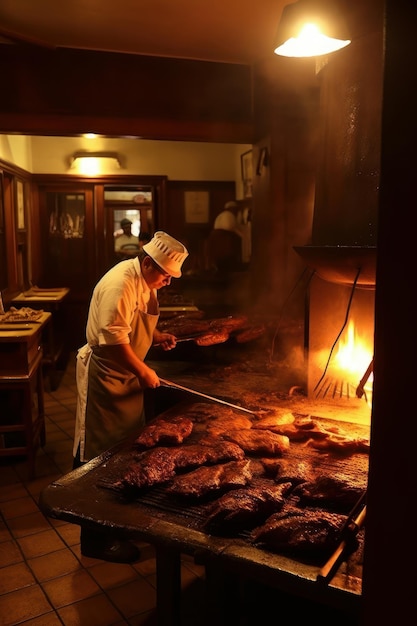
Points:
(184, 327)
(289, 470)
(153, 467)
(250, 334)
(305, 532)
(285, 423)
(330, 493)
(278, 418)
(245, 508)
(213, 419)
(340, 444)
(212, 338)
(230, 323)
(166, 432)
(210, 479)
(233, 422)
(259, 442)
(159, 465)
(195, 455)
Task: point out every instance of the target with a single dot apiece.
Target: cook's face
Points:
(155, 276)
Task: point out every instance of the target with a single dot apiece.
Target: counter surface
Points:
(84, 496)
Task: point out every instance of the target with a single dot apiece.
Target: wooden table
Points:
(51, 300)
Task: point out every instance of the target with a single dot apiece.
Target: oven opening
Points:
(339, 342)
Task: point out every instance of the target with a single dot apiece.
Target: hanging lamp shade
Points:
(311, 28)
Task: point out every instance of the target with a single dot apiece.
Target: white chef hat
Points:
(167, 252)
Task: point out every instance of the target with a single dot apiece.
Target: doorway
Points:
(130, 216)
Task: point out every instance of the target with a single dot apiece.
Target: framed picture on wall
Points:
(20, 206)
(247, 173)
(197, 205)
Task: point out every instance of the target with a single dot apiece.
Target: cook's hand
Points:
(149, 378)
(166, 341)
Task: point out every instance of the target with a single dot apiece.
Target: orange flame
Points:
(353, 358)
(353, 355)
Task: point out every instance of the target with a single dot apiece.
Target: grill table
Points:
(81, 497)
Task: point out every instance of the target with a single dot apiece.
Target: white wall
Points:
(17, 149)
(175, 159)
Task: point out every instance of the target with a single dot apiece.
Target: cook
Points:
(110, 370)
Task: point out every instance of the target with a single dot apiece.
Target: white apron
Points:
(110, 399)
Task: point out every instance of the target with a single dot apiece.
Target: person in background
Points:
(228, 219)
(224, 243)
(126, 245)
(111, 372)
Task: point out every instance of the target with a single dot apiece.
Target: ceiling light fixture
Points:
(311, 28)
(94, 163)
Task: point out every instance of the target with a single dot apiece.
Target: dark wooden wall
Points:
(67, 91)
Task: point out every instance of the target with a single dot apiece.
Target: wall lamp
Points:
(311, 28)
(95, 163)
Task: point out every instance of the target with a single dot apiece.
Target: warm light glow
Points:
(94, 164)
(309, 43)
(353, 354)
(352, 361)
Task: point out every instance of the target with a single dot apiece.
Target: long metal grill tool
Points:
(168, 383)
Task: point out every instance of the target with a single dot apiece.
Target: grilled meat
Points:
(230, 323)
(159, 465)
(340, 444)
(300, 429)
(154, 467)
(304, 532)
(287, 470)
(215, 419)
(258, 442)
(251, 333)
(245, 508)
(212, 338)
(170, 431)
(209, 479)
(279, 417)
(195, 455)
(329, 492)
(184, 327)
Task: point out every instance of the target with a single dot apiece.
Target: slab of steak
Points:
(206, 480)
(259, 442)
(230, 323)
(209, 452)
(153, 467)
(329, 492)
(341, 445)
(289, 470)
(279, 417)
(214, 419)
(159, 465)
(245, 508)
(162, 431)
(301, 532)
(212, 338)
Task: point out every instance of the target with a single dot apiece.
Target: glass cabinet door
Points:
(68, 238)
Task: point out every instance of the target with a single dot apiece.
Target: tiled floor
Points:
(44, 579)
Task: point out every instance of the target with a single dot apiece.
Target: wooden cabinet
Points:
(67, 234)
(22, 422)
